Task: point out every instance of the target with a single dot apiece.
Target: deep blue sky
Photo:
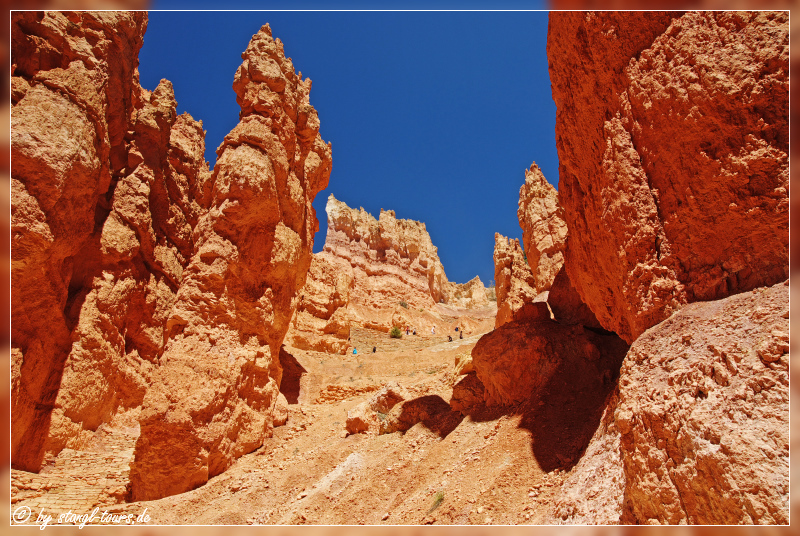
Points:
(433, 115)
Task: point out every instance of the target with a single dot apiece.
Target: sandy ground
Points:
(478, 469)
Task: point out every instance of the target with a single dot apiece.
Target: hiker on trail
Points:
(461, 334)
(433, 330)
(449, 338)
(374, 348)
(406, 331)
(415, 331)
(355, 351)
(456, 328)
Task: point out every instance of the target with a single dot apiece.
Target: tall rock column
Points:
(214, 393)
(544, 230)
(672, 134)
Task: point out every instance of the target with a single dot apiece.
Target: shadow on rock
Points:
(558, 377)
(431, 410)
(292, 373)
(567, 413)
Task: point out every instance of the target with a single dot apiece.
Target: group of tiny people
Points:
(413, 331)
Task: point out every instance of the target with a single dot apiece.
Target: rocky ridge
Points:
(375, 274)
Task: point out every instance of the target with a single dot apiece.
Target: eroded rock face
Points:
(102, 173)
(240, 288)
(375, 274)
(701, 420)
(322, 322)
(713, 447)
(672, 133)
(469, 295)
(544, 231)
(515, 284)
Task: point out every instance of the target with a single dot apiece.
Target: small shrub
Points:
(437, 500)
(403, 304)
(395, 333)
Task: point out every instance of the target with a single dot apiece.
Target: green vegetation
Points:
(437, 500)
(403, 304)
(395, 333)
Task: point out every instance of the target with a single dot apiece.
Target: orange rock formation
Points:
(145, 287)
(376, 274)
(515, 284)
(239, 290)
(544, 230)
(712, 445)
(526, 276)
(108, 185)
(672, 133)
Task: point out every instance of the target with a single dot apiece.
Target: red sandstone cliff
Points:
(672, 133)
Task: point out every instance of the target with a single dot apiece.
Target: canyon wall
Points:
(149, 292)
(375, 274)
(101, 223)
(672, 134)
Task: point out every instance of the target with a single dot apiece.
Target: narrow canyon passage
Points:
(482, 468)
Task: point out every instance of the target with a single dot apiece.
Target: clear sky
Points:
(435, 115)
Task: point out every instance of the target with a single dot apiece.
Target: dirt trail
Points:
(449, 469)
(478, 469)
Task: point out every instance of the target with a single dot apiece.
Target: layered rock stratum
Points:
(672, 133)
(376, 273)
(149, 291)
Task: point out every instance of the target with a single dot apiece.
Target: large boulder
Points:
(518, 360)
(370, 416)
(672, 134)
